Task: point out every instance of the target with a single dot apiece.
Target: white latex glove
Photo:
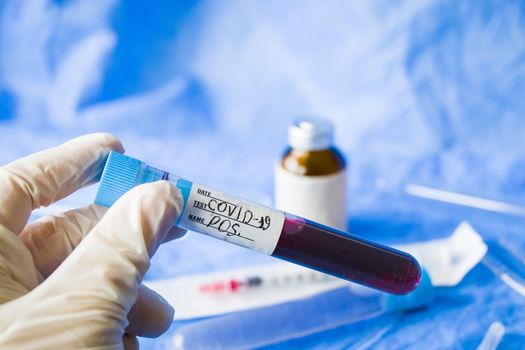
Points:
(72, 281)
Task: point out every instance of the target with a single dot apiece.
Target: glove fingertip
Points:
(108, 141)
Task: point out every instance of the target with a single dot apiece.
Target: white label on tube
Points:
(232, 219)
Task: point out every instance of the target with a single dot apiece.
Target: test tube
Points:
(269, 231)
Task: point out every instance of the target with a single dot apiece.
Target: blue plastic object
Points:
(119, 176)
(423, 295)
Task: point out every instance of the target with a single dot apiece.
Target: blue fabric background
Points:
(427, 92)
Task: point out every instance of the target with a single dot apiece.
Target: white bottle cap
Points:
(310, 134)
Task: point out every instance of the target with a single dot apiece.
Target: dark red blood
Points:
(347, 256)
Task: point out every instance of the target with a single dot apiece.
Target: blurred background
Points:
(428, 93)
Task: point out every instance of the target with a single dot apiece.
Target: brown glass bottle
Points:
(310, 179)
(313, 163)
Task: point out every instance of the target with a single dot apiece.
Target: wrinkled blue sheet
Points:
(427, 92)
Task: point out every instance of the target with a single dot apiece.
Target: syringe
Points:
(273, 280)
(260, 327)
(269, 231)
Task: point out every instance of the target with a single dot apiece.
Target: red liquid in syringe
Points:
(266, 280)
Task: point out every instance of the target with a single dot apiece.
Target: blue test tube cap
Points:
(119, 176)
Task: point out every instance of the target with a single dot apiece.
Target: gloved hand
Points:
(72, 281)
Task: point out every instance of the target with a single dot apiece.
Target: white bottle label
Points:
(318, 198)
(232, 219)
